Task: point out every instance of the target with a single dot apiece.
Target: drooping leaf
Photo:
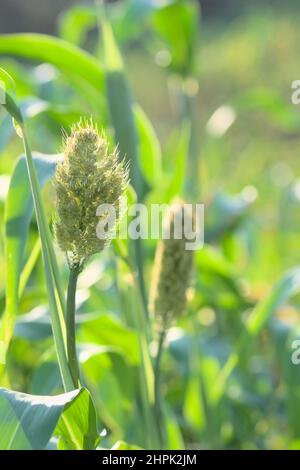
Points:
(81, 69)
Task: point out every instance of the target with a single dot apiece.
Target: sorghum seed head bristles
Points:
(171, 273)
(89, 175)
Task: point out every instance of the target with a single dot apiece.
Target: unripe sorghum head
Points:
(172, 272)
(89, 175)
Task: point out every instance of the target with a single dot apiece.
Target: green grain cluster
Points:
(89, 175)
(171, 273)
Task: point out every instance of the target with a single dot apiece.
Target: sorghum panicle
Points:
(90, 175)
(171, 274)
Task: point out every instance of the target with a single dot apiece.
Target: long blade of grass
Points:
(18, 214)
(121, 108)
(54, 284)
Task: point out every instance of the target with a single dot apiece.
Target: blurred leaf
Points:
(175, 438)
(208, 258)
(52, 273)
(75, 23)
(7, 92)
(225, 214)
(150, 151)
(129, 18)
(108, 387)
(277, 109)
(179, 162)
(18, 214)
(288, 286)
(193, 405)
(80, 68)
(178, 24)
(121, 104)
(122, 118)
(108, 330)
(28, 422)
(6, 130)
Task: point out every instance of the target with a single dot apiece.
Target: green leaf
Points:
(150, 151)
(109, 331)
(79, 67)
(18, 214)
(176, 185)
(6, 99)
(52, 274)
(75, 23)
(27, 422)
(77, 425)
(106, 383)
(121, 104)
(122, 118)
(288, 286)
(178, 25)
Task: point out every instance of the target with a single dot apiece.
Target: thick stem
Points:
(71, 326)
(157, 390)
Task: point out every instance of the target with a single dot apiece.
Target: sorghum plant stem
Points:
(157, 389)
(56, 308)
(71, 326)
(146, 375)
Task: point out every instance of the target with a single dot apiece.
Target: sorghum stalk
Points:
(88, 176)
(170, 280)
(71, 326)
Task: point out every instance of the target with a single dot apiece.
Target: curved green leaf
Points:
(27, 422)
(75, 23)
(80, 68)
(68, 58)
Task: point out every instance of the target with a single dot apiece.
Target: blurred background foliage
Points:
(216, 86)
